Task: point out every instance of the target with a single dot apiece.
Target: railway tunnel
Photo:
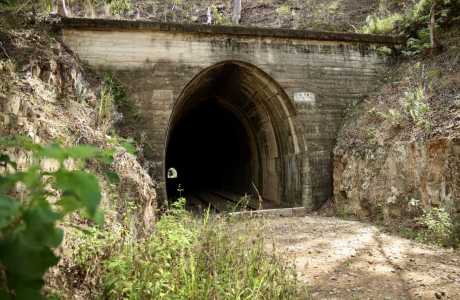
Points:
(226, 137)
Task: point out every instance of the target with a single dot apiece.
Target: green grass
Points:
(186, 258)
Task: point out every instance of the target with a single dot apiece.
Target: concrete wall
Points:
(319, 77)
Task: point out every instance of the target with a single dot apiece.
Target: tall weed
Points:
(190, 258)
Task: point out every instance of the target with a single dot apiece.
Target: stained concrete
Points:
(287, 89)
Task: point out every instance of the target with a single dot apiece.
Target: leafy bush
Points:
(416, 107)
(188, 258)
(119, 7)
(219, 17)
(438, 226)
(32, 202)
(414, 23)
(283, 10)
(18, 5)
(385, 25)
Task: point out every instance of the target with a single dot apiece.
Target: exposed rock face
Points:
(398, 151)
(47, 96)
(385, 181)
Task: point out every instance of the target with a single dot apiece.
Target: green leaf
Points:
(23, 142)
(78, 152)
(83, 186)
(99, 218)
(112, 177)
(7, 183)
(106, 156)
(9, 209)
(129, 146)
(5, 161)
(24, 263)
(69, 204)
(4, 295)
(40, 227)
(82, 152)
(26, 292)
(53, 151)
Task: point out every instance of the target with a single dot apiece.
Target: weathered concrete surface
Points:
(291, 89)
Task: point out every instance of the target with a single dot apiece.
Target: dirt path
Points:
(342, 259)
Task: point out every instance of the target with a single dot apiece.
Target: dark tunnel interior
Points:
(210, 149)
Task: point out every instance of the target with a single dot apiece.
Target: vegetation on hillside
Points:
(47, 96)
(419, 103)
(186, 258)
(51, 197)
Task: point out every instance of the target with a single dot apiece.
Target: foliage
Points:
(18, 5)
(32, 202)
(106, 103)
(119, 7)
(438, 226)
(433, 225)
(393, 116)
(218, 17)
(376, 25)
(416, 107)
(283, 10)
(414, 23)
(114, 97)
(187, 258)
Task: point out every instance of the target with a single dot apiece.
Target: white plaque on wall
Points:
(305, 97)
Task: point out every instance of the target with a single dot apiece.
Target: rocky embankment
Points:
(46, 95)
(398, 153)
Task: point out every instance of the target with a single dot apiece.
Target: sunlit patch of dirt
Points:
(341, 259)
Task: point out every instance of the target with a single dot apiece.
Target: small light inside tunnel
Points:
(172, 173)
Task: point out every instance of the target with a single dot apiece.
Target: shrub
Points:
(189, 258)
(416, 107)
(18, 5)
(219, 17)
(414, 23)
(32, 202)
(283, 10)
(119, 7)
(385, 25)
(438, 226)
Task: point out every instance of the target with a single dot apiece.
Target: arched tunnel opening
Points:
(225, 140)
(210, 150)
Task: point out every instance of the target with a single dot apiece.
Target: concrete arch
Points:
(260, 121)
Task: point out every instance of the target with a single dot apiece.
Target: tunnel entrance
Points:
(210, 150)
(227, 135)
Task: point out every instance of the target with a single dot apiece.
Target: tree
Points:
(236, 16)
(435, 45)
(62, 8)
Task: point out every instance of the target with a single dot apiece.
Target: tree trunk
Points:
(433, 37)
(62, 9)
(209, 16)
(236, 16)
(92, 11)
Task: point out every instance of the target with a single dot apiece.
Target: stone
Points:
(13, 104)
(289, 88)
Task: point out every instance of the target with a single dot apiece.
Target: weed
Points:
(416, 107)
(189, 258)
(438, 226)
(283, 10)
(385, 25)
(119, 7)
(219, 17)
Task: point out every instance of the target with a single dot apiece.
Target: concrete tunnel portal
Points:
(226, 138)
